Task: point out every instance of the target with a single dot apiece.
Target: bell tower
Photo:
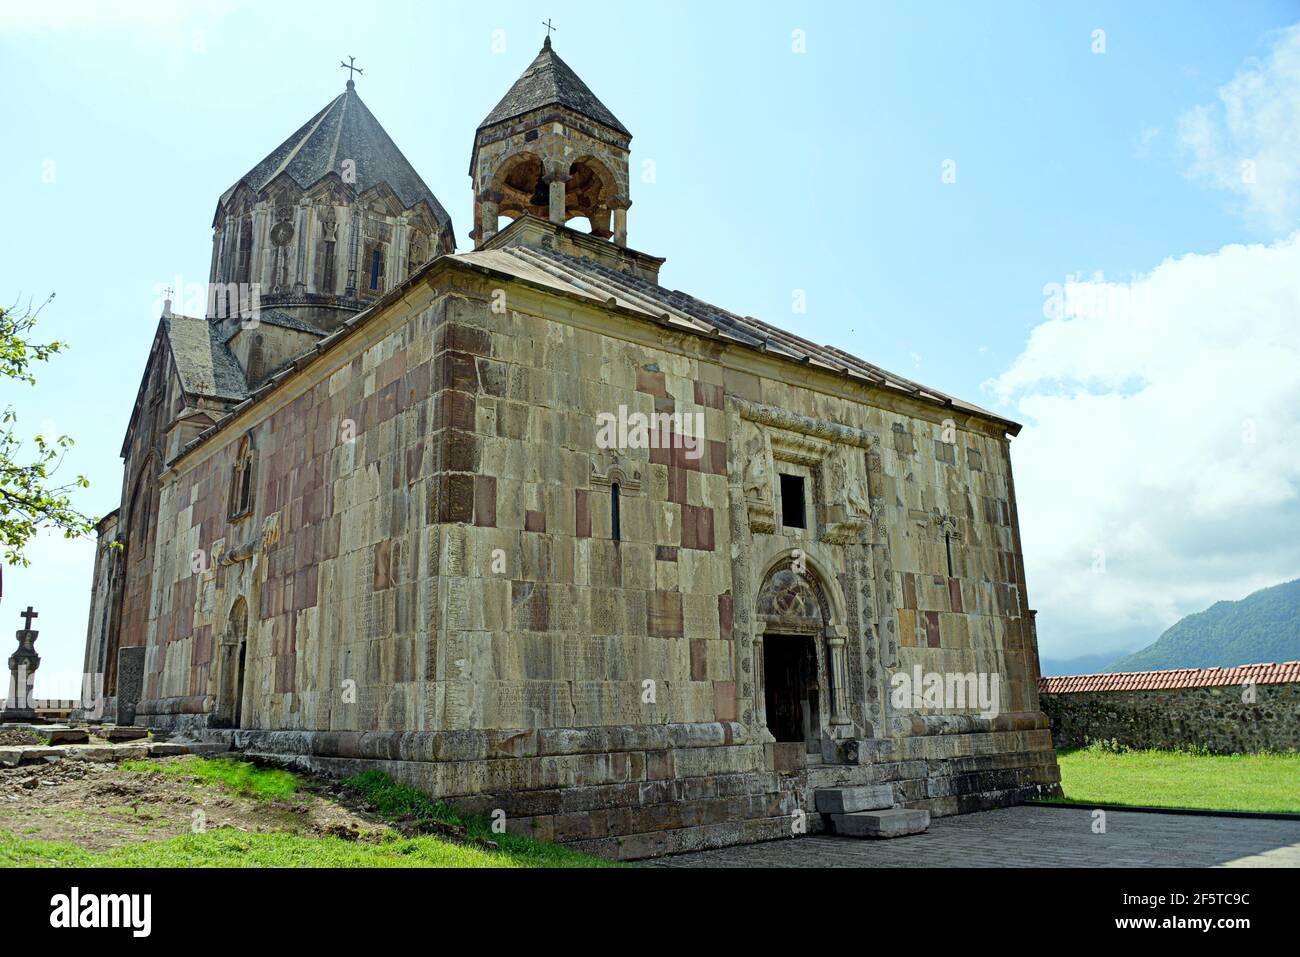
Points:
(551, 149)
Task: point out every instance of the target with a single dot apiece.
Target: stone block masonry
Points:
(410, 547)
(1224, 711)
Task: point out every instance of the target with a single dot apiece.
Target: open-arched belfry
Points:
(551, 149)
(528, 528)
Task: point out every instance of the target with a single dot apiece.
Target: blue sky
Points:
(774, 171)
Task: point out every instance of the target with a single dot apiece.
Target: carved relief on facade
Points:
(608, 467)
(789, 602)
(756, 456)
(282, 232)
(835, 456)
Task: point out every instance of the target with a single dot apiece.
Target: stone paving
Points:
(1034, 837)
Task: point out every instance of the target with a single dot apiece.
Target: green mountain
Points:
(1264, 626)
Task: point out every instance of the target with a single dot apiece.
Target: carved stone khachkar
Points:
(20, 704)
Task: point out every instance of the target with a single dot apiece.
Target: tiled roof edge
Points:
(1264, 673)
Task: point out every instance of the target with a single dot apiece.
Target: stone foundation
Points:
(635, 792)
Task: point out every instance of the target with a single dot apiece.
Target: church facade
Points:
(533, 532)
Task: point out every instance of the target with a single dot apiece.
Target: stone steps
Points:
(868, 811)
(893, 822)
(847, 800)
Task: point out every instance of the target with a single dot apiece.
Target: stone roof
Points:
(605, 284)
(1261, 674)
(344, 130)
(587, 279)
(274, 317)
(549, 81)
(205, 366)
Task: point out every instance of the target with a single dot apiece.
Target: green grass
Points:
(226, 847)
(241, 777)
(1212, 782)
(398, 801)
(229, 847)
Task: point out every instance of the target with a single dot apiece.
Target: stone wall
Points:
(432, 583)
(1216, 719)
(335, 564)
(102, 593)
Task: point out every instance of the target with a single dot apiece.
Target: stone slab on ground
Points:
(121, 751)
(12, 757)
(894, 822)
(207, 747)
(167, 749)
(67, 735)
(123, 733)
(848, 800)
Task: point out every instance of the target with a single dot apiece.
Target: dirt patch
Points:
(98, 806)
(13, 736)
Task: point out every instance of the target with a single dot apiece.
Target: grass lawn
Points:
(397, 801)
(241, 777)
(1212, 782)
(423, 841)
(226, 847)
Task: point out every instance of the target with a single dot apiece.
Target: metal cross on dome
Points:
(351, 67)
(547, 23)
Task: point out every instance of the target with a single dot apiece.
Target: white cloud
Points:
(1248, 143)
(1163, 435)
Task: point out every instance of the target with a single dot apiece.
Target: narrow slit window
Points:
(615, 531)
(245, 489)
(241, 481)
(793, 512)
(376, 268)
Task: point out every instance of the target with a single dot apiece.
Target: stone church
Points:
(368, 518)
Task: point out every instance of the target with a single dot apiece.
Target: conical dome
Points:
(331, 219)
(345, 130)
(549, 81)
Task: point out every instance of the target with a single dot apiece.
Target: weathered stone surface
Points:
(1216, 719)
(438, 568)
(123, 733)
(164, 749)
(895, 822)
(851, 799)
(67, 735)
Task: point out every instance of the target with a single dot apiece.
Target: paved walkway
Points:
(1034, 837)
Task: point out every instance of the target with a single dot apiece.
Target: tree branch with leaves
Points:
(30, 499)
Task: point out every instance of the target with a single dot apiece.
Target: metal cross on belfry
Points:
(547, 23)
(351, 67)
(28, 615)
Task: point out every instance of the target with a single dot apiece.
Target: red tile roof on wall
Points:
(1261, 674)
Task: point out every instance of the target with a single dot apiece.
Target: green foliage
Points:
(1264, 626)
(227, 847)
(398, 802)
(29, 500)
(1191, 779)
(241, 777)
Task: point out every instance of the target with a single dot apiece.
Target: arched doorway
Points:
(801, 659)
(796, 692)
(234, 650)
